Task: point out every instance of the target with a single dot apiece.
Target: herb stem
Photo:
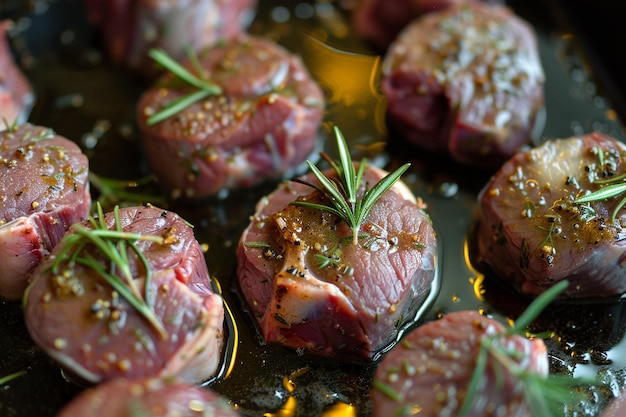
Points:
(114, 192)
(603, 193)
(615, 189)
(176, 106)
(474, 384)
(127, 292)
(343, 191)
(544, 395)
(387, 390)
(204, 87)
(10, 377)
(537, 306)
(113, 245)
(181, 72)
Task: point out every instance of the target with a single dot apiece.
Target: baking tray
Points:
(85, 98)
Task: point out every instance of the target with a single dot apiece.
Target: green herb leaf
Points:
(475, 381)
(10, 377)
(257, 244)
(387, 390)
(343, 193)
(537, 306)
(545, 395)
(10, 127)
(178, 105)
(114, 192)
(113, 245)
(606, 192)
(204, 87)
(603, 193)
(181, 72)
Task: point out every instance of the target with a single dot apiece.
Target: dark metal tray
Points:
(84, 98)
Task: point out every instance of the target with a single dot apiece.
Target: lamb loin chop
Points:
(430, 370)
(310, 288)
(16, 97)
(148, 397)
(261, 120)
(130, 28)
(380, 21)
(128, 294)
(534, 230)
(466, 82)
(44, 189)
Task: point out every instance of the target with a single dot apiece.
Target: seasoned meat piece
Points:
(264, 123)
(380, 21)
(130, 28)
(94, 332)
(311, 289)
(466, 82)
(16, 97)
(532, 234)
(148, 397)
(431, 368)
(44, 189)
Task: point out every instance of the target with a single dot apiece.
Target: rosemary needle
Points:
(115, 270)
(181, 72)
(537, 306)
(609, 191)
(10, 377)
(544, 394)
(345, 202)
(112, 192)
(178, 105)
(604, 193)
(204, 88)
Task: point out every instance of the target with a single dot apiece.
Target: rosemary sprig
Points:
(10, 127)
(116, 271)
(549, 239)
(114, 192)
(204, 88)
(545, 395)
(323, 261)
(345, 202)
(10, 377)
(611, 187)
(604, 193)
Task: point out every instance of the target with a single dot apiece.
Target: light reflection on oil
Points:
(350, 81)
(478, 285)
(478, 279)
(340, 409)
(291, 405)
(354, 77)
(290, 408)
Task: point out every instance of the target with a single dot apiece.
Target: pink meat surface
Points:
(431, 368)
(617, 407)
(16, 96)
(465, 82)
(148, 397)
(94, 333)
(532, 235)
(264, 124)
(44, 189)
(380, 21)
(309, 288)
(130, 28)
